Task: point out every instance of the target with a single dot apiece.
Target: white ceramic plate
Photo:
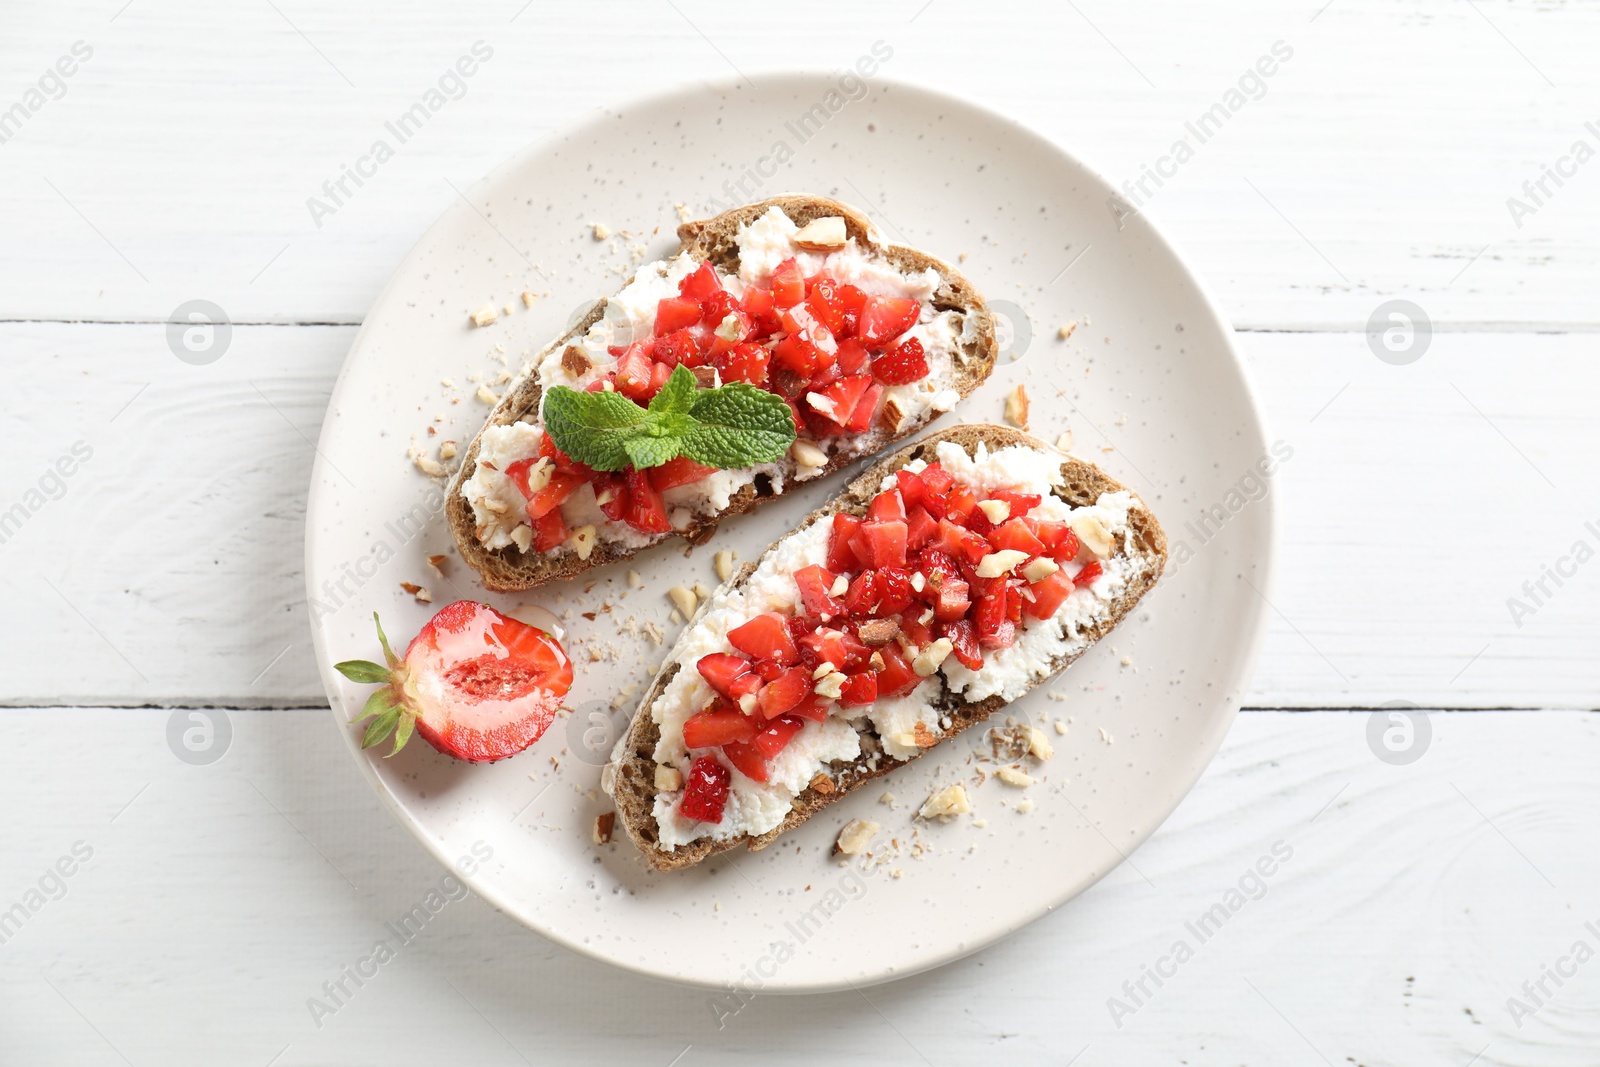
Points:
(1149, 384)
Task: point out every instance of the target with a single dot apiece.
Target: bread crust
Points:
(510, 569)
(633, 764)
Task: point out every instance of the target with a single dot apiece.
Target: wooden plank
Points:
(1376, 161)
(1407, 904)
(1415, 505)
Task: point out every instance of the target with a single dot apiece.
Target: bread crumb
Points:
(1066, 331)
(683, 212)
(603, 825)
(962, 258)
(853, 839)
(1017, 407)
(485, 316)
(897, 873)
(1057, 697)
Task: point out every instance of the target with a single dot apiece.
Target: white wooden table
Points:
(1431, 911)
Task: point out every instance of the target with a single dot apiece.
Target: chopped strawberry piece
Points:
(788, 285)
(915, 630)
(549, 531)
(1013, 601)
(815, 591)
(633, 374)
(729, 675)
(911, 487)
(894, 590)
(716, 726)
(841, 398)
(960, 543)
(705, 791)
(937, 567)
(1021, 503)
(1090, 572)
(990, 613)
(675, 313)
(841, 559)
(959, 504)
(659, 373)
(796, 353)
(920, 528)
(964, 643)
(822, 300)
(551, 496)
(1014, 534)
(852, 356)
(676, 472)
(1003, 637)
(883, 318)
(784, 692)
(861, 420)
(853, 300)
(677, 348)
(718, 306)
(952, 600)
(813, 708)
(1048, 595)
(861, 600)
(518, 473)
(901, 365)
(1058, 539)
(611, 495)
(767, 670)
(897, 677)
(936, 484)
(886, 506)
(753, 757)
(763, 312)
(700, 285)
(766, 637)
(839, 647)
(859, 689)
(644, 509)
(744, 362)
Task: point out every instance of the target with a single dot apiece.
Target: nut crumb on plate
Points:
(603, 825)
(485, 316)
(1017, 407)
(854, 837)
(946, 804)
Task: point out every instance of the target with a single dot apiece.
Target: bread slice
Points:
(631, 774)
(511, 569)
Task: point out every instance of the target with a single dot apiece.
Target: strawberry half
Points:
(475, 684)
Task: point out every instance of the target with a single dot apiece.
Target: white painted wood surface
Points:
(1377, 163)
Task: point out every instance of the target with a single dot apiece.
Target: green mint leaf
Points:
(678, 395)
(648, 450)
(738, 425)
(363, 670)
(593, 428)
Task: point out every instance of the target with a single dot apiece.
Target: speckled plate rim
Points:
(1252, 630)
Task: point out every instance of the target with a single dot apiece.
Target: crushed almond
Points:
(826, 234)
(996, 511)
(946, 804)
(1064, 442)
(892, 414)
(996, 564)
(723, 563)
(487, 395)
(1066, 331)
(1014, 777)
(806, 454)
(1017, 407)
(1092, 532)
(428, 465)
(601, 231)
(485, 316)
(854, 837)
(683, 599)
(1061, 727)
(1037, 570)
(927, 661)
(634, 580)
(668, 779)
(878, 632)
(419, 592)
(822, 783)
(528, 298)
(840, 586)
(603, 825)
(582, 540)
(437, 562)
(447, 450)
(706, 377)
(1039, 746)
(575, 361)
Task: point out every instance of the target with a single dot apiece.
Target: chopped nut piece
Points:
(485, 316)
(539, 474)
(706, 377)
(575, 361)
(437, 562)
(1061, 727)
(877, 632)
(487, 395)
(683, 599)
(807, 454)
(822, 403)
(922, 737)
(822, 783)
(747, 703)
(831, 686)
(582, 540)
(1017, 407)
(730, 329)
(1024, 806)
(1012, 776)
(723, 562)
(601, 231)
(634, 580)
(840, 586)
(1066, 331)
(447, 450)
(1039, 746)
(892, 414)
(428, 465)
(528, 298)
(522, 536)
(422, 594)
(919, 581)
(1064, 442)
(854, 837)
(701, 591)
(826, 234)
(928, 659)
(1092, 532)
(603, 825)
(824, 668)
(946, 804)
(877, 661)
(668, 779)
(496, 505)
(996, 511)
(1039, 569)
(998, 563)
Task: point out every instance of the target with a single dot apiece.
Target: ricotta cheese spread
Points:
(756, 807)
(497, 504)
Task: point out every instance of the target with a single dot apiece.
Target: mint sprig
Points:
(732, 426)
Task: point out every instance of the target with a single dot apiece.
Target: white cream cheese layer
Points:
(497, 505)
(756, 807)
